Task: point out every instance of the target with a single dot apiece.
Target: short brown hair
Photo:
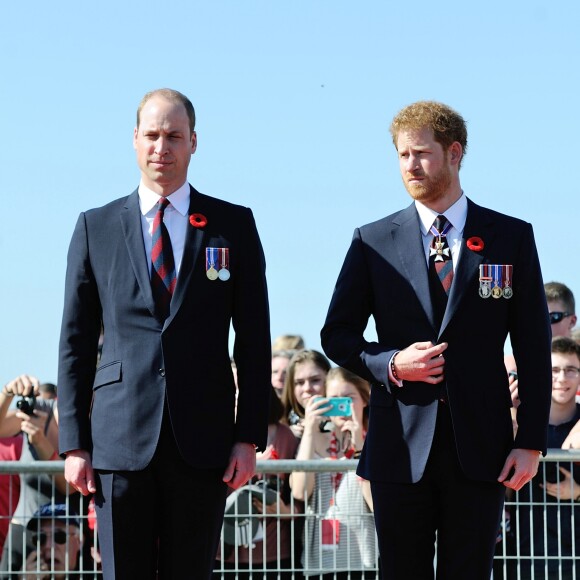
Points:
(558, 292)
(173, 96)
(288, 397)
(447, 125)
(565, 345)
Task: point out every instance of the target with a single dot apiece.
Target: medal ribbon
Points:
(507, 274)
(211, 257)
(224, 258)
(484, 272)
(497, 275)
(443, 233)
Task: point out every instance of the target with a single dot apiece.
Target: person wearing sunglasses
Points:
(561, 306)
(54, 533)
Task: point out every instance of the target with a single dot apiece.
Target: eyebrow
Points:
(310, 377)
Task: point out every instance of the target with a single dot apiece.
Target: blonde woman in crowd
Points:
(288, 342)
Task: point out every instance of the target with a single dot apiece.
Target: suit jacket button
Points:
(162, 372)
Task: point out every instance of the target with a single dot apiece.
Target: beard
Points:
(431, 188)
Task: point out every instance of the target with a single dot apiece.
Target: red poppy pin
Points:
(197, 220)
(475, 244)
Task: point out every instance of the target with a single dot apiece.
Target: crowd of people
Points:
(310, 524)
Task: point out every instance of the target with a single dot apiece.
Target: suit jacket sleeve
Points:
(530, 335)
(252, 346)
(350, 308)
(79, 337)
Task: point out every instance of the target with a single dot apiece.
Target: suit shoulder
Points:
(383, 222)
(382, 226)
(220, 204)
(111, 206)
(496, 217)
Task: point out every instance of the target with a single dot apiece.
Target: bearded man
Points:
(446, 281)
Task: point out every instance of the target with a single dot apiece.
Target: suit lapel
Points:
(408, 239)
(133, 231)
(469, 261)
(193, 244)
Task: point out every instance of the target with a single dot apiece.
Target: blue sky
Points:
(294, 100)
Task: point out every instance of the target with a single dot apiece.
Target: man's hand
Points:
(39, 570)
(573, 439)
(524, 464)
(421, 362)
(565, 489)
(514, 393)
(78, 471)
(34, 426)
(242, 465)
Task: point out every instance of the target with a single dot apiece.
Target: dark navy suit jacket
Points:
(385, 275)
(115, 410)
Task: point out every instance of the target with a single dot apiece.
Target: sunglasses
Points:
(556, 317)
(59, 537)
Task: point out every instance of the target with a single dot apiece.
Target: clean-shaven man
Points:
(153, 431)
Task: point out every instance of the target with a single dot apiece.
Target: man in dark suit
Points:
(154, 431)
(440, 442)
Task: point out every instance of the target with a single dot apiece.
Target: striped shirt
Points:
(357, 546)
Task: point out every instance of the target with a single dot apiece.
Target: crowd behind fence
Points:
(517, 557)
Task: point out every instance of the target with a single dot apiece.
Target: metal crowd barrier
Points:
(262, 545)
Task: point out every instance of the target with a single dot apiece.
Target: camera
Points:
(293, 418)
(26, 404)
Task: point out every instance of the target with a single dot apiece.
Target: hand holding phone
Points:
(340, 406)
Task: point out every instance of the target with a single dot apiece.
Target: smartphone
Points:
(341, 407)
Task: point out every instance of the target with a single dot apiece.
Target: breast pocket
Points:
(107, 374)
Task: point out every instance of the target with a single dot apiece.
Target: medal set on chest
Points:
(217, 264)
(495, 280)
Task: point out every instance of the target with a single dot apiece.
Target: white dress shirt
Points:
(175, 218)
(456, 215)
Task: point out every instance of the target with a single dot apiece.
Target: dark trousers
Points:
(463, 515)
(163, 522)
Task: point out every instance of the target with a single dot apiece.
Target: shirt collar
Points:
(179, 199)
(456, 215)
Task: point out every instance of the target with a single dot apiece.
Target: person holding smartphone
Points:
(305, 376)
(339, 531)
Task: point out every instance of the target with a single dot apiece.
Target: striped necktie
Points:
(163, 276)
(440, 252)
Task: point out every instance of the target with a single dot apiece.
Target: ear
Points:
(573, 320)
(455, 153)
(135, 133)
(193, 142)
